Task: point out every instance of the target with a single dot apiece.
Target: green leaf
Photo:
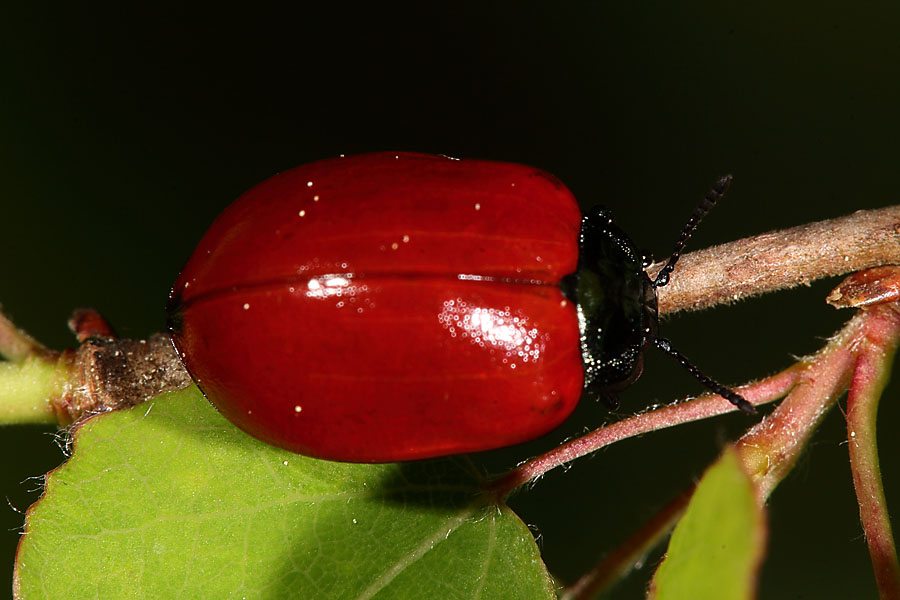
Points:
(717, 547)
(169, 500)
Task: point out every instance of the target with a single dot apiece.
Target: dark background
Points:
(123, 133)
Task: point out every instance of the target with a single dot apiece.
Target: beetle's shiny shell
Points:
(387, 307)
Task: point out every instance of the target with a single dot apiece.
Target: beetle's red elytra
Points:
(387, 307)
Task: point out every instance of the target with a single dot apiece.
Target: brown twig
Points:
(782, 259)
(107, 374)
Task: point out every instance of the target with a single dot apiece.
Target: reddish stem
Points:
(615, 565)
(696, 409)
(876, 353)
(16, 345)
(87, 323)
(770, 449)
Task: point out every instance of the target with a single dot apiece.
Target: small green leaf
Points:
(169, 500)
(717, 547)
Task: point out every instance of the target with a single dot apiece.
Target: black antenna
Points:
(730, 395)
(662, 278)
(713, 196)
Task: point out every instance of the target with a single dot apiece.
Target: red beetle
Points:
(392, 306)
(386, 307)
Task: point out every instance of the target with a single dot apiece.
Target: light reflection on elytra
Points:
(340, 287)
(493, 329)
(514, 338)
